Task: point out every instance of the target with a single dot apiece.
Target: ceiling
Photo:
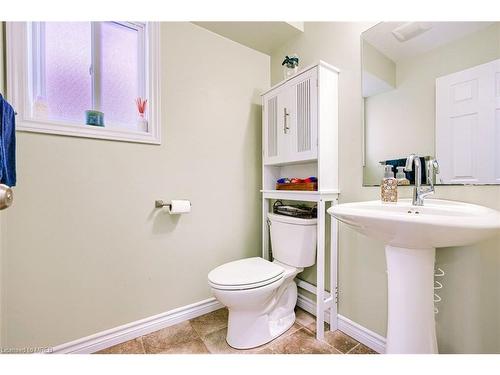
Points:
(381, 37)
(265, 37)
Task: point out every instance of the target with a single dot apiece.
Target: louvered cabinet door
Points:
(304, 127)
(270, 130)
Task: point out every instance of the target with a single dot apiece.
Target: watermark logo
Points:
(27, 350)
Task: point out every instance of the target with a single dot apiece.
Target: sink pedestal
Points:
(411, 327)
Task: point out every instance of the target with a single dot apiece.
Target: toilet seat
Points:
(243, 274)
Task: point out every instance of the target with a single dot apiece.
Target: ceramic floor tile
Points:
(211, 322)
(340, 341)
(207, 334)
(312, 327)
(129, 347)
(175, 336)
(216, 342)
(303, 317)
(302, 342)
(265, 351)
(362, 349)
(337, 339)
(195, 346)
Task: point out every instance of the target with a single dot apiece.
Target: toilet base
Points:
(250, 329)
(259, 332)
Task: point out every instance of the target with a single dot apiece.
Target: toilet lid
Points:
(245, 274)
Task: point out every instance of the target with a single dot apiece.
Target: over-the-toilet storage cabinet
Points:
(290, 120)
(300, 139)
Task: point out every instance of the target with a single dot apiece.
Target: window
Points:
(61, 75)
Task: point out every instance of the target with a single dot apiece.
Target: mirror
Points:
(433, 89)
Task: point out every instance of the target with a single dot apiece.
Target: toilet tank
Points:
(293, 240)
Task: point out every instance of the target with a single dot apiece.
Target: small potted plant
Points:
(290, 66)
(142, 122)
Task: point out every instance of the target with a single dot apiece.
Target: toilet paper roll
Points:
(180, 207)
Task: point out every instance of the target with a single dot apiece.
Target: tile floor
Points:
(207, 334)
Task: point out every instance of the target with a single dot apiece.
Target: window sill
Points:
(88, 131)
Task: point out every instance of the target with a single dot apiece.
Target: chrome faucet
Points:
(419, 192)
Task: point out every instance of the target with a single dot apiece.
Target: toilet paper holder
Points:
(160, 204)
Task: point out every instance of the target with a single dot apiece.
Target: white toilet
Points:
(261, 295)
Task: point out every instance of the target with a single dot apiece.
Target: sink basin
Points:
(439, 223)
(411, 235)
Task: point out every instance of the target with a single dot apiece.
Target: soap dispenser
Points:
(401, 176)
(389, 186)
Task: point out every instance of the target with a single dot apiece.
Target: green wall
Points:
(84, 248)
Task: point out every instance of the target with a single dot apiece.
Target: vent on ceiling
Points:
(410, 30)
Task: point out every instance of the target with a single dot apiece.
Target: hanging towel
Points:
(7, 143)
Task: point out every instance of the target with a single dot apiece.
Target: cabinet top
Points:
(320, 63)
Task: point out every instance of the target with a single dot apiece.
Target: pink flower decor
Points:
(141, 105)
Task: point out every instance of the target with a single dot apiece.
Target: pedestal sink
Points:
(412, 234)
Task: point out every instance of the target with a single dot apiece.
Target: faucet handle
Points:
(435, 165)
(432, 170)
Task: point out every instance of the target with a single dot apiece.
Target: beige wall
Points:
(378, 64)
(469, 317)
(402, 121)
(86, 251)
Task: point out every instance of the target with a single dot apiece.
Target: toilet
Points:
(261, 295)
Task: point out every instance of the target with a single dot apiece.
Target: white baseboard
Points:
(117, 335)
(130, 331)
(356, 331)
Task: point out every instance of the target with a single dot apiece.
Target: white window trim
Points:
(19, 96)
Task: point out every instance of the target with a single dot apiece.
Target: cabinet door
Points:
(303, 133)
(290, 121)
(276, 127)
(270, 139)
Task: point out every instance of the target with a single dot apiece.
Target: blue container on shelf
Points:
(94, 118)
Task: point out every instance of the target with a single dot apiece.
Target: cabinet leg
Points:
(265, 231)
(320, 272)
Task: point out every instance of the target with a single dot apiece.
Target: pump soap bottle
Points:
(389, 186)
(401, 177)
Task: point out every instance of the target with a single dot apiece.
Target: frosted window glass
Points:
(119, 74)
(68, 90)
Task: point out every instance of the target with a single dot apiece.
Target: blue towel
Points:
(7, 143)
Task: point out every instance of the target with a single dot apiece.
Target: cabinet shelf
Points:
(288, 163)
(298, 195)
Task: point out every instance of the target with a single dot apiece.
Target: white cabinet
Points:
(468, 125)
(300, 139)
(300, 128)
(290, 119)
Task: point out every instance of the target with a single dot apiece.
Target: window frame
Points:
(20, 87)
